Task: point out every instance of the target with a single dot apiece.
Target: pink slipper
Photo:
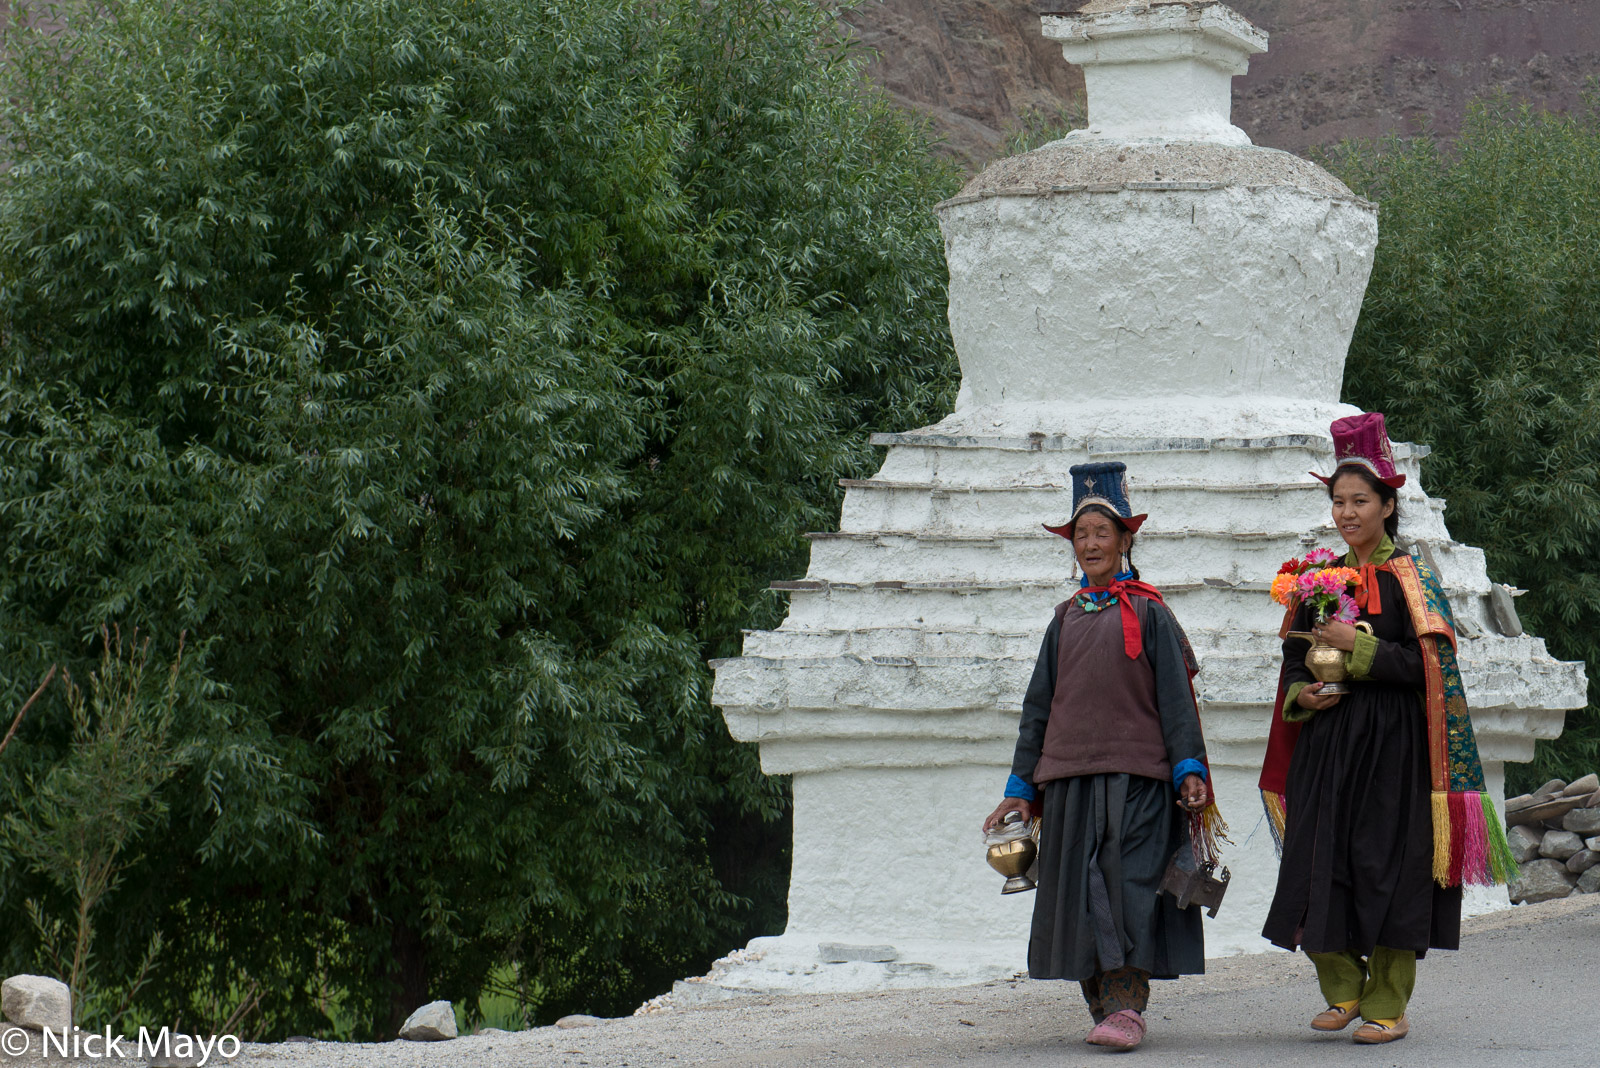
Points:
(1120, 1030)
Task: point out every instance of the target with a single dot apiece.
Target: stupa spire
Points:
(1158, 70)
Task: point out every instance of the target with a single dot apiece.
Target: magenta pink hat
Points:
(1363, 441)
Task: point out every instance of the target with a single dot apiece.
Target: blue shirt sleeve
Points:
(1017, 786)
(1185, 767)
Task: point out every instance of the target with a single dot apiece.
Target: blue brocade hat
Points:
(1105, 484)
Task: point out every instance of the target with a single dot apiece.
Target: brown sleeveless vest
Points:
(1103, 717)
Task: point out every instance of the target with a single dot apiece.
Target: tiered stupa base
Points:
(891, 693)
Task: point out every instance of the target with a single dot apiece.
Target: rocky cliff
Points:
(1336, 68)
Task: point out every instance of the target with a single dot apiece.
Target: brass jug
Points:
(1328, 665)
(1015, 855)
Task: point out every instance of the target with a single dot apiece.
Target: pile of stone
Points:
(1555, 834)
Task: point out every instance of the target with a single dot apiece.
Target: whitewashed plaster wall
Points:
(1183, 305)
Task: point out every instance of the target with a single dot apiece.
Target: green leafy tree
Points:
(73, 826)
(1480, 335)
(457, 373)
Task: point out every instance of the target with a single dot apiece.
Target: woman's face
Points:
(1358, 511)
(1099, 544)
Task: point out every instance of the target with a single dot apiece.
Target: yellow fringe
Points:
(1441, 838)
(1276, 815)
(1209, 831)
(1216, 826)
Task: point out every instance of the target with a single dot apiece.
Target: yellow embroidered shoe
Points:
(1374, 1031)
(1336, 1017)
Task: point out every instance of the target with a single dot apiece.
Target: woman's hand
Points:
(1009, 805)
(1339, 635)
(1311, 697)
(1192, 794)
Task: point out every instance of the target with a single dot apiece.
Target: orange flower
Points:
(1348, 575)
(1283, 588)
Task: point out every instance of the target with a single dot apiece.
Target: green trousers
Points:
(1382, 983)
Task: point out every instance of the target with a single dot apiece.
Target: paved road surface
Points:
(1524, 992)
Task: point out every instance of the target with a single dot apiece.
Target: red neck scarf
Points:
(1124, 590)
(1367, 597)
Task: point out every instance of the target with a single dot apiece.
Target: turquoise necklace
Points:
(1097, 602)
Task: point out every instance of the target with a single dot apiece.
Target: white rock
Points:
(1542, 880)
(433, 1022)
(1592, 843)
(1559, 845)
(37, 1002)
(578, 1020)
(1524, 842)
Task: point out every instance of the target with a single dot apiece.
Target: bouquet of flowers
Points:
(1317, 581)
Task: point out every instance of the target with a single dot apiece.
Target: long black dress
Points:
(1106, 838)
(1357, 867)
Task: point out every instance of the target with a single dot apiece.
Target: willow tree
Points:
(456, 373)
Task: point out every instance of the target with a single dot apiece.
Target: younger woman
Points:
(1383, 791)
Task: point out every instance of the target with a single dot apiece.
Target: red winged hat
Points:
(1363, 441)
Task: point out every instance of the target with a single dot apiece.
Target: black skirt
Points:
(1103, 848)
(1357, 868)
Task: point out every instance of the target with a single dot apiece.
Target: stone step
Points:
(954, 641)
(1219, 652)
(964, 458)
(1099, 446)
(873, 505)
(988, 465)
(1104, 447)
(1208, 644)
(817, 604)
(975, 697)
(1214, 557)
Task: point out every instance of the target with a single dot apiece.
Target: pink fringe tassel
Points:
(1475, 851)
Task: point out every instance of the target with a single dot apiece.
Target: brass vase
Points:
(1013, 856)
(1328, 665)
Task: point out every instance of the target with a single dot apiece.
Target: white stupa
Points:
(1152, 289)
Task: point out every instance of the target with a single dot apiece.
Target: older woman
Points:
(1377, 795)
(1111, 736)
